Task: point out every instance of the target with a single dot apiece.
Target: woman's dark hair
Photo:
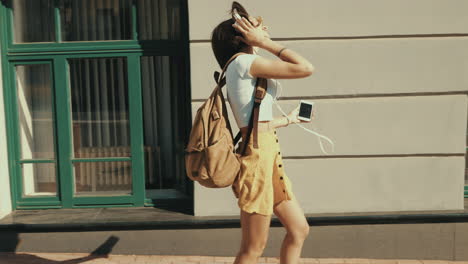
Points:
(223, 38)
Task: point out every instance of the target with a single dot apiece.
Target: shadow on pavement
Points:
(9, 242)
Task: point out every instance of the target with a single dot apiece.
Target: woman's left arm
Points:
(281, 121)
(291, 118)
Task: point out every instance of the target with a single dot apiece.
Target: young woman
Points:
(263, 187)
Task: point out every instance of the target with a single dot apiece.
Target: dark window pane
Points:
(33, 21)
(100, 115)
(158, 19)
(163, 102)
(91, 20)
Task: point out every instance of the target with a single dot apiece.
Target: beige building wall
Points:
(5, 197)
(390, 88)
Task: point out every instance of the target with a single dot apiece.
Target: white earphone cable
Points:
(319, 136)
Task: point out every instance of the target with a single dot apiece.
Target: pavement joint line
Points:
(33, 257)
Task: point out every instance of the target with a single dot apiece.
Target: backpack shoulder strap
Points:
(260, 91)
(219, 77)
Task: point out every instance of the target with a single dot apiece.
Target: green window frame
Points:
(466, 165)
(466, 170)
(56, 54)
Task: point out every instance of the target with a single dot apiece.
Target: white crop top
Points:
(240, 86)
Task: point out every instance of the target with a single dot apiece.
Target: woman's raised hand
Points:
(252, 35)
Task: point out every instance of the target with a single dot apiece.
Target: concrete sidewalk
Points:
(69, 258)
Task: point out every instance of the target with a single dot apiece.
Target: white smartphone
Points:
(305, 110)
(236, 15)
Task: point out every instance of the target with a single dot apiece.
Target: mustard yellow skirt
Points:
(262, 183)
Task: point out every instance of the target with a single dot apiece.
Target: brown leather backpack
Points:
(210, 156)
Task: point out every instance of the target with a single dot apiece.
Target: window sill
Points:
(91, 219)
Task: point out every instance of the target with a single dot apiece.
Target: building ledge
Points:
(92, 219)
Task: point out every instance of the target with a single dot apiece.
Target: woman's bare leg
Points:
(255, 229)
(293, 219)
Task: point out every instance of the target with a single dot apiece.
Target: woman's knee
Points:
(254, 250)
(299, 233)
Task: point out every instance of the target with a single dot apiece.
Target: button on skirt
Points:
(262, 183)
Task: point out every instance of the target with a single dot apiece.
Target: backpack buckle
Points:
(259, 94)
